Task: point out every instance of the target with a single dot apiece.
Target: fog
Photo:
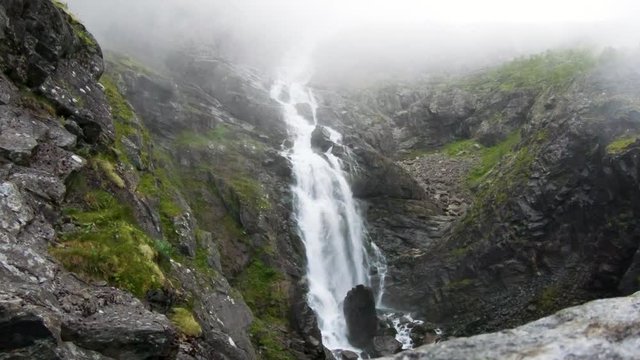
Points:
(350, 41)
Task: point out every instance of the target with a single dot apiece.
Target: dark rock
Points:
(305, 111)
(321, 139)
(386, 345)
(360, 315)
(123, 333)
(348, 355)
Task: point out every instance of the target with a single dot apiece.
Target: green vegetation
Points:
(218, 135)
(262, 289)
(260, 286)
(120, 63)
(556, 68)
(548, 298)
(265, 339)
(185, 322)
(36, 102)
(109, 169)
(107, 245)
(458, 284)
(491, 156)
(622, 143)
(78, 28)
(461, 147)
(488, 157)
(251, 192)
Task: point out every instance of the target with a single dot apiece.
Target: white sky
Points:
(473, 11)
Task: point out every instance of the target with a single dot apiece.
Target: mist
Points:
(351, 42)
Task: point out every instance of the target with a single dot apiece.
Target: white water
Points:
(327, 216)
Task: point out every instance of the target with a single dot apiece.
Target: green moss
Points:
(120, 63)
(218, 135)
(556, 68)
(260, 286)
(107, 245)
(462, 147)
(491, 156)
(36, 102)
(250, 191)
(184, 320)
(120, 109)
(108, 167)
(78, 29)
(622, 143)
(458, 284)
(547, 301)
(265, 336)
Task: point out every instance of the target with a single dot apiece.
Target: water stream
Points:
(328, 218)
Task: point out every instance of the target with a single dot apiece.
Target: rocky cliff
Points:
(529, 171)
(147, 214)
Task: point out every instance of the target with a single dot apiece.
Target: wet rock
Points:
(321, 139)
(348, 355)
(123, 333)
(591, 331)
(305, 111)
(360, 315)
(386, 345)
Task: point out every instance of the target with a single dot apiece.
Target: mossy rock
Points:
(108, 245)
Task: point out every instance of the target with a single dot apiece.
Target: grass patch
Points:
(251, 192)
(120, 63)
(458, 284)
(109, 169)
(107, 245)
(260, 287)
(622, 143)
(38, 103)
(548, 298)
(218, 135)
(184, 320)
(264, 336)
(556, 68)
(491, 156)
(79, 30)
(462, 147)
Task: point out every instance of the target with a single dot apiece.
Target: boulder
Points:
(321, 139)
(348, 355)
(602, 329)
(360, 314)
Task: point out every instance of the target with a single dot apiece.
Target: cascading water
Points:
(327, 216)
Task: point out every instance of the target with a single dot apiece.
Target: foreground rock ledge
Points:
(602, 329)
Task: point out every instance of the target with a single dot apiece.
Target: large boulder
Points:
(602, 329)
(360, 314)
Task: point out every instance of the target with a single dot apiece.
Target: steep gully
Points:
(339, 254)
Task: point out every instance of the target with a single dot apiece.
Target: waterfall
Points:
(327, 217)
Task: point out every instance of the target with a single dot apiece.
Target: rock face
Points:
(599, 329)
(360, 314)
(45, 311)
